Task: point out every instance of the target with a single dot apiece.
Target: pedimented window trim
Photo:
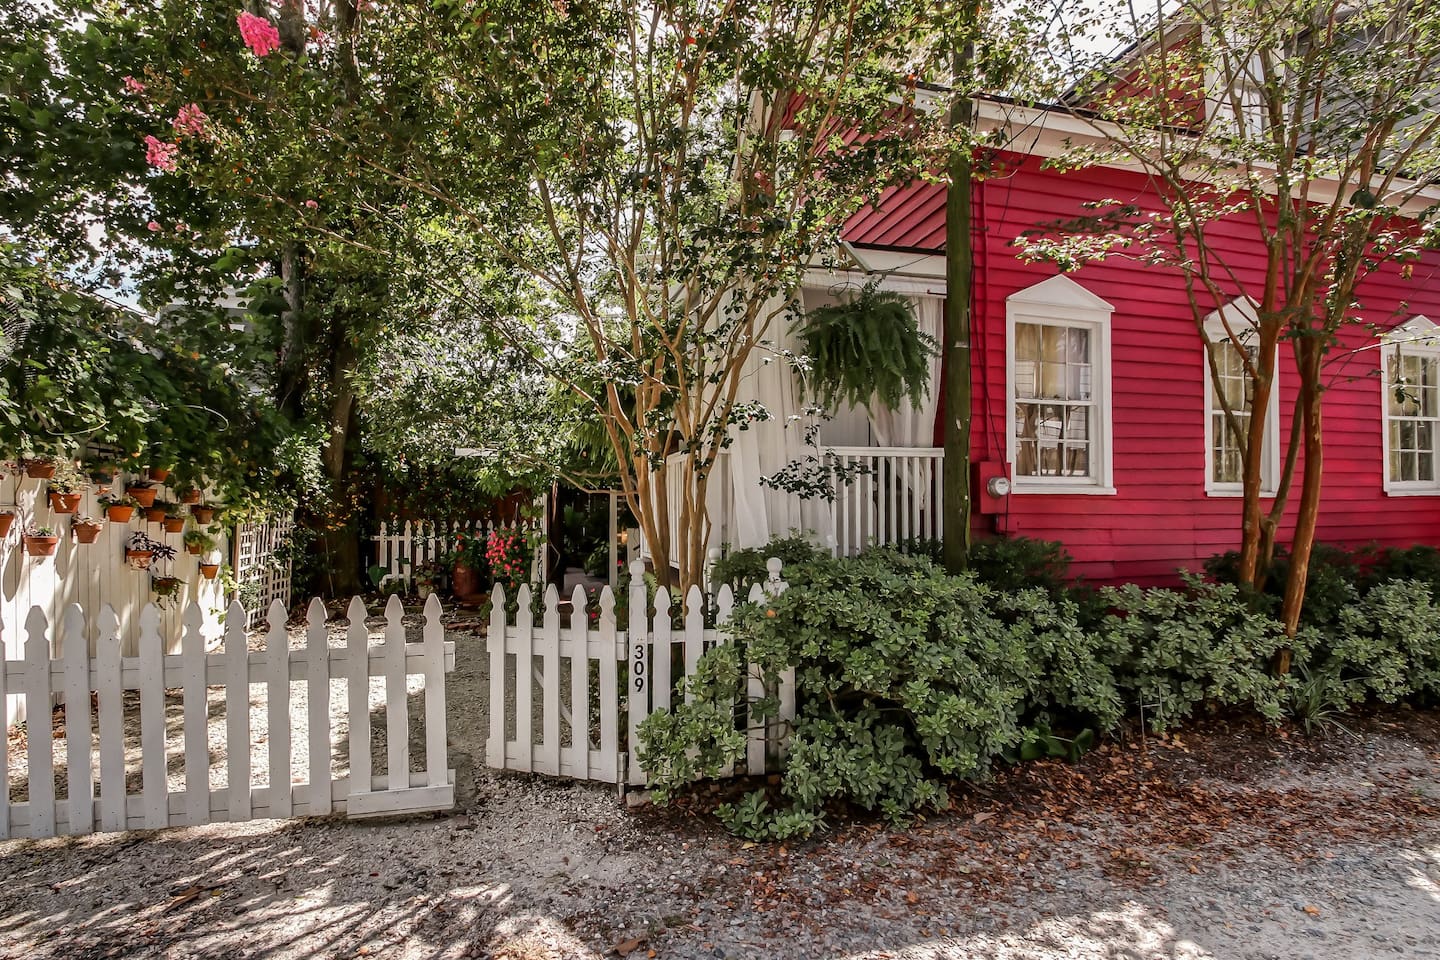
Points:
(1419, 335)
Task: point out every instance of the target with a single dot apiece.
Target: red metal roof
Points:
(906, 218)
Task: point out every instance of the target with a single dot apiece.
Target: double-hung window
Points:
(1059, 436)
(1229, 402)
(1411, 384)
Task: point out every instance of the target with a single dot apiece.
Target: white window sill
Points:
(1415, 492)
(1090, 490)
(1264, 494)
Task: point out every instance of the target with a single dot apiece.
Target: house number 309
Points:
(638, 667)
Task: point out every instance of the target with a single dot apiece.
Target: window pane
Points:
(1052, 344)
(1426, 465)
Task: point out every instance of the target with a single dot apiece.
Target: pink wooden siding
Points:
(1161, 519)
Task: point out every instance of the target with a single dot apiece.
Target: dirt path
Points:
(1234, 843)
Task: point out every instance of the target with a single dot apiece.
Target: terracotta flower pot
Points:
(203, 515)
(39, 469)
(41, 546)
(193, 549)
(139, 559)
(7, 520)
(190, 496)
(465, 582)
(64, 502)
(121, 513)
(144, 496)
(155, 514)
(209, 570)
(86, 532)
(174, 524)
(158, 474)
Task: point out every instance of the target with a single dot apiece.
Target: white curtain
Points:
(912, 426)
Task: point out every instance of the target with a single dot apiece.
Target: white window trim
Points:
(1243, 320)
(1419, 335)
(1061, 301)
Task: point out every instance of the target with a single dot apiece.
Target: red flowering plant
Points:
(508, 554)
(470, 551)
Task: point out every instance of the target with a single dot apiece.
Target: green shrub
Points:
(1332, 582)
(1172, 650)
(1420, 563)
(743, 568)
(1387, 645)
(904, 677)
(1014, 563)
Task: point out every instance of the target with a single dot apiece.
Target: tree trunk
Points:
(959, 265)
(1308, 511)
(1252, 532)
(339, 519)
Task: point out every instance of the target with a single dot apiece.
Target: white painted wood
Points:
(357, 681)
(608, 655)
(755, 735)
(495, 641)
(577, 633)
(397, 713)
(111, 720)
(237, 714)
(549, 756)
(524, 679)
(694, 619)
(155, 790)
(317, 706)
(277, 717)
(75, 653)
(661, 681)
(433, 634)
(5, 740)
(637, 679)
(39, 728)
(197, 719)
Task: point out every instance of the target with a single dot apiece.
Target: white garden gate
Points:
(69, 803)
(576, 709)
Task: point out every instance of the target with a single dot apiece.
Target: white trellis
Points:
(262, 570)
(573, 698)
(72, 804)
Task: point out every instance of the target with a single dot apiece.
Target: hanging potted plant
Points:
(190, 495)
(41, 541)
(85, 528)
(158, 511)
(102, 472)
(198, 541)
(209, 570)
(7, 520)
(158, 474)
(143, 492)
(39, 468)
(166, 589)
(174, 518)
(118, 509)
(141, 551)
(203, 513)
(66, 489)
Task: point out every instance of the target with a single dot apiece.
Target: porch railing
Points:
(885, 495)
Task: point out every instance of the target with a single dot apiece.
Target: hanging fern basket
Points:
(868, 350)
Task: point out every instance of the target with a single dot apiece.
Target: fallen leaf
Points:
(626, 947)
(1313, 910)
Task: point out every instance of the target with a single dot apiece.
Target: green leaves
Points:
(867, 350)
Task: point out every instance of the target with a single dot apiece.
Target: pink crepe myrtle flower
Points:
(311, 204)
(161, 155)
(258, 33)
(190, 120)
(153, 226)
(132, 85)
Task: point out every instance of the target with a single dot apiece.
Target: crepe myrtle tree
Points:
(1309, 123)
(660, 174)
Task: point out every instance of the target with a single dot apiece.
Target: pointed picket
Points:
(357, 653)
(277, 719)
(75, 651)
(495, 642)
(39, 726)
(397, 720)
(549, 758)
(578, 633)
(724, 607)
(4, 741)
(154, 786)
(317, 706)
(524, 681)
(660, 680)
(111, 720)
(608, 655)
(237, 714)
(197, 718)
(694, 614)
(637, 677)
(433, 634)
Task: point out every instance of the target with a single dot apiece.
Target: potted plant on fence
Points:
(466, 563)
(66, 488)
(141, 551)
(198, 542)
(190, 496)
(174, 518)
(203, 513)
(118, 508)
(158, 511)
(166, 589)
(143, 492)
(85, 528)
(102, 473)
(158, 474)
(41, 541)
(209, 570)
(39, 468)
(7, 519)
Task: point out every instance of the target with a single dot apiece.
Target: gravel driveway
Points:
(1231, 843)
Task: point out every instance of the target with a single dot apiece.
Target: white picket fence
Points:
(634, 673)
(403, 548)
(75, 806)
